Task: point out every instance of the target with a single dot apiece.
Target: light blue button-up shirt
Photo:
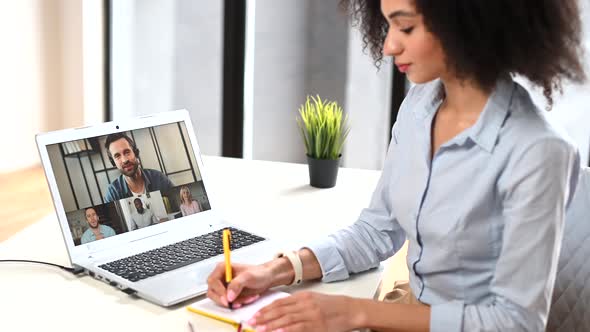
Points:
(89, 236)
(484, 217)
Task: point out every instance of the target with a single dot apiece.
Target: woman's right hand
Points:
(249, 281)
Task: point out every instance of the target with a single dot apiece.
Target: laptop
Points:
(134, 208)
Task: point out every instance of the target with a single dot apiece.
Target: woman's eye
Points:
(407, 30)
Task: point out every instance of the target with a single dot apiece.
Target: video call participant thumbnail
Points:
(143, 217)
(96, 231)
(134, 179)
(188, 205)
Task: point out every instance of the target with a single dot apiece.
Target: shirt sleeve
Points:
(111, 194)
(165, 182)
(132, 224)
(374, 237)
(535, 191)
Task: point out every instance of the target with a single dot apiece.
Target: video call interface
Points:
(119, 183)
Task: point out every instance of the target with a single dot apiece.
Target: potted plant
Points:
(324, 130)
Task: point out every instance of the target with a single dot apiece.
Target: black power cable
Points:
(73, 270)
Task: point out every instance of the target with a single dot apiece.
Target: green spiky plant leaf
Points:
(323, 128)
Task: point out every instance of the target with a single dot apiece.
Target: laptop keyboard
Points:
(177, 255)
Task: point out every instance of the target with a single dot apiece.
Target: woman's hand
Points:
(248, 283)
(308, 311)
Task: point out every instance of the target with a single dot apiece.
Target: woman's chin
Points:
(419, 79)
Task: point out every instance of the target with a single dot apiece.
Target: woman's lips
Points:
(403, 67)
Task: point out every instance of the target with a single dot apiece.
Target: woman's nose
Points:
(391, 47)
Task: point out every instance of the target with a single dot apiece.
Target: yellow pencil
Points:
(226, 254)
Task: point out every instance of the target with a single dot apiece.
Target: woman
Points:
(188, 205)
(474, 178)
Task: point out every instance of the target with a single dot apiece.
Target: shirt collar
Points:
(487, 127)
(100, 229)
(146, 180)
(429, 99)
(486, 130)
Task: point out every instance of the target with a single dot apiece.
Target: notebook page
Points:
(242, 314)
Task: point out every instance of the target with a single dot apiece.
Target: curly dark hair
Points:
(484, 40)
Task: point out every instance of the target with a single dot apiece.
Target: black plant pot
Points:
(323, 172)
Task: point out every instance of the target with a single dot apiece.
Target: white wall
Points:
(21, 88)
(280, 78)
(93, 60)
(42, 81)
(368, 103)
(168, 55)
(315, 52)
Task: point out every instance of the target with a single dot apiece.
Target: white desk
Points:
(273, 199)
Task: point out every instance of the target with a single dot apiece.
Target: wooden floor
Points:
(24, 199)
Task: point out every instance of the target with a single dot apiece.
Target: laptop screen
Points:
(125, 181)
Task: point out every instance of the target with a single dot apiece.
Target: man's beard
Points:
(93, 227)
(132, 172)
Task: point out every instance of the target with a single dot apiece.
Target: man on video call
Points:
(141, 218)
(96, 231)
(134, 179)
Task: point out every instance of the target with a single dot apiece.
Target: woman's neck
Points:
(464, 97)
